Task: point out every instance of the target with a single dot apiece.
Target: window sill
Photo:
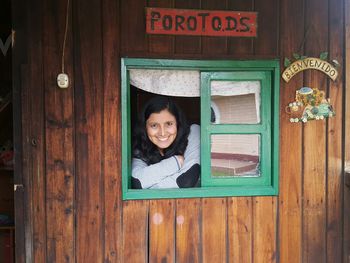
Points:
(199, 192)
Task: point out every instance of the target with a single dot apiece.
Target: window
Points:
(236, 104)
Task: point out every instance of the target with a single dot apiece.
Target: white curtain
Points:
(186, 83)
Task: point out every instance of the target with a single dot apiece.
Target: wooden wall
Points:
(68, 141)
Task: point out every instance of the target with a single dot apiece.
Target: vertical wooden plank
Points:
(214, 45)
(265, 218)
(88, 98)
(265, 208)
(314, 185)
(335, 128)
(59, 136)
(214, 230)
(112, 131)
(188, 44)
(267, 41)
(188, 230)
(135, 231)
(162, 231)
(290, 192)
(161, 44)
(26, 166)
(241, 46)
(34, 138)
(314, 219)
(240, 229)
(346, 189)
(19, 24)
(133, 27)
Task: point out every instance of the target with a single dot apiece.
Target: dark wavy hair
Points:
(143, 148)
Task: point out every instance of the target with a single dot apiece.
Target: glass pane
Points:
(235, 102)
(235, 155)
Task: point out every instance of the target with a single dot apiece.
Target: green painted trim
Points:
(237, 128)
(200, 64)
(264, 185)
(124, 128)
(275, 143)
(132, 194)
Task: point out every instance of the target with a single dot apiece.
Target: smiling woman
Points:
(161, 129)
(166, 150)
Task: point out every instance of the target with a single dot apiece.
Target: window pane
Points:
(235, 102)
(235, 155)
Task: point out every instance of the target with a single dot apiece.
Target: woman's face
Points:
(161, 129)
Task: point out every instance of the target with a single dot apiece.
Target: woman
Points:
(166, 150)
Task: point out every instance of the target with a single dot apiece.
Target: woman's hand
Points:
(181, 160)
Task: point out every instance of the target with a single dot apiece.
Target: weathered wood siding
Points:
(68, 141)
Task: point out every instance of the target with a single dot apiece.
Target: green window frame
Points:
(267, 73)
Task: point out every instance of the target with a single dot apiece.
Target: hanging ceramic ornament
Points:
(309, 104)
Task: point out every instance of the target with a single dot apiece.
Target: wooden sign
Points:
(200, 22)
(309, 63)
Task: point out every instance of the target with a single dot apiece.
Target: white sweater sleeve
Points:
(192, 153)
(150, 175)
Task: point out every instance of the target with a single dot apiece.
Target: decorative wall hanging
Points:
(302, 63)
(309, 104)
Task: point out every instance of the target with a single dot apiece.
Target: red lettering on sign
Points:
(200, 22)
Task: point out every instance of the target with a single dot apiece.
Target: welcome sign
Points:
(200, 22)
(309, 63)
